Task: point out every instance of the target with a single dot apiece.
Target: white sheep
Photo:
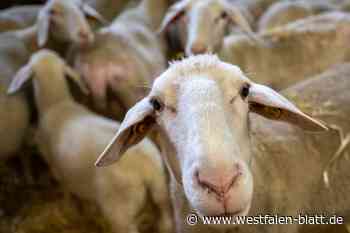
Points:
(108, 8)
(282, 13)
(293, 162)
(22, 16)
(70, 138)
(200, 107)
(125, 58)
(255, 7)
(60, 21)
(14, 111)
(202, 24)
(305, 41)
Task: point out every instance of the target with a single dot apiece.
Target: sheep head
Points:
(200, 107)
(67, 20)
(203, 24)
(48, 71)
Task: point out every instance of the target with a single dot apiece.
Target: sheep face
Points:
(203, 24)
(200, 107)
(67, 21)
(207, 125)
(48, 70)
(207, 25)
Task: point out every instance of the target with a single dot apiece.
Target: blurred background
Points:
(5, 4)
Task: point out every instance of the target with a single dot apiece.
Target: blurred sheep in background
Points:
(15, 50)
(71, 143)
(282, 13)
(200, 25)
(299, 49)
(125, 58)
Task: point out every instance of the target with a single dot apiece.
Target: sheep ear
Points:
(174, 13)
(92, 13)
(137, 123)
(43, 23)
(23, 75)
(74, 76)
(235, 15)
(268, 103)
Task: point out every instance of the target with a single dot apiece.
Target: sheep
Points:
(60, 23)
(15, 49)
(70, 137)
(345, 6)
(202, 25)
(284, 12)
(318, 41)
(125, 58)
(212, 170)
(255, 7)
(18, 17)
(14, 113)
(299, 187)
(108, 8)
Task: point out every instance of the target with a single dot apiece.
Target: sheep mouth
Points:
(232, 214)
(240, 212)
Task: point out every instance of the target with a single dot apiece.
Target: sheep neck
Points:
(50, 91)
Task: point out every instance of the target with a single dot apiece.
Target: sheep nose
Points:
(198, 48)
(218, 181)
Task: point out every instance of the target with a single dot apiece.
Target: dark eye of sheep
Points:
(223, 15)
(54, 12)
(157, 105)
(245, 91)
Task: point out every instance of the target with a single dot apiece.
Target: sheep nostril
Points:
(220, 185)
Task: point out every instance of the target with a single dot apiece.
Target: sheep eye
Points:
(223, 15)
(140, 129)
(157, 105)
(54, 12)
(245, 91)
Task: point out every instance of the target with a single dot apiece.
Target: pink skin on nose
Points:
(220, 183)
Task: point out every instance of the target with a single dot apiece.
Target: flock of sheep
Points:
(254, 120)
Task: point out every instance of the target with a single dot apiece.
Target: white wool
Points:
(71, 137)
